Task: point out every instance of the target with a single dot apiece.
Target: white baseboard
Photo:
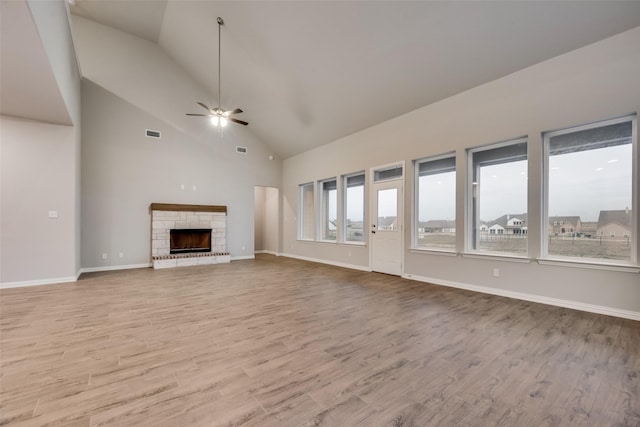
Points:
(114, 267)
(238, 258)
(324, 261)
(591, 308)
(266, 252)
(52, 281)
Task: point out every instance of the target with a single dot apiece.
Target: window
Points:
(328, 209)
(305, 214)
(589, 184)
(435, 215)
(353, 207)
(394, 172)
(498, 198)
(387, 209)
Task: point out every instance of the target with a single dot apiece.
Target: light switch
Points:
(53, 214)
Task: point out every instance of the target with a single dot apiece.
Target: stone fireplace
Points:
(183, 235)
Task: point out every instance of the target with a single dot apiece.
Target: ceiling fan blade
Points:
(204, 106)
(199, 115)
(238, 121)
(230, 112)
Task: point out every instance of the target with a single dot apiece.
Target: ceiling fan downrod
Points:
(220, 24)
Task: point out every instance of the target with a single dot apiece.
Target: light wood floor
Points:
(282, 342)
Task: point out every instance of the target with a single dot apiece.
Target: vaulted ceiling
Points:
(308, 73)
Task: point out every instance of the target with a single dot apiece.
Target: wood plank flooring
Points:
(283, 342)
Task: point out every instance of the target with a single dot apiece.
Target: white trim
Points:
(591, 308)
(265, 252)
(52, 281)
(114, 267)
(238, 258)
(432, 251)
(324, 261)
(592, 266)
(495, 256)
(353, 243)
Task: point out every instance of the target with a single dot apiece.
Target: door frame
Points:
(373, 208)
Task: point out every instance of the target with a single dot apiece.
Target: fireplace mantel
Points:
(172, 207)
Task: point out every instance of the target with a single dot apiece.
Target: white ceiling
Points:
(308, 73)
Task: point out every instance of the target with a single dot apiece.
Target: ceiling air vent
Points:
(152, 134)
(241, 150)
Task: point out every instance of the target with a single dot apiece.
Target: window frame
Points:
(415, 220)
(635, 187)
(322, 212)
(470, 208)
(342, 213)
(301, 211)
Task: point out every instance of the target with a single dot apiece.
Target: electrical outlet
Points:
(104, 256)
(496, 272)
(121, 255)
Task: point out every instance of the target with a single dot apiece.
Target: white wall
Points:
(41, 171)
(37, 175)
(596, 82)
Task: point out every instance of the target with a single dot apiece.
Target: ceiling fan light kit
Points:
(218, 116)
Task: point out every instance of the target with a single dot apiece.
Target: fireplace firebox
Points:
(190, 240)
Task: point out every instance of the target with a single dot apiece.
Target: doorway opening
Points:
(387, 203)
(266, 229)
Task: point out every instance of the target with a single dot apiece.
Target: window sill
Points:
(432, 251)
(495, 256)
(354, 243)
(588, 265)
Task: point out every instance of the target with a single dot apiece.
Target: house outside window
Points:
(353, 207)
(435, 203)
(328, 218)
(498, 198)
(589, 192)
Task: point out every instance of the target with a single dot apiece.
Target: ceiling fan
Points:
(219, 117)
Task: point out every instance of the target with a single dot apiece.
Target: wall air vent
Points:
(152, 134)
(241, 150)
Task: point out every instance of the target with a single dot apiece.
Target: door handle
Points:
(373, 231)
